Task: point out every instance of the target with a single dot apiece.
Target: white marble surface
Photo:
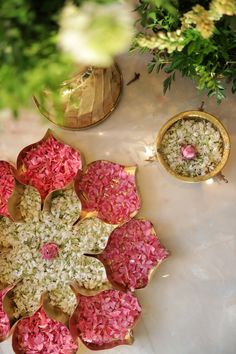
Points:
(190, 305)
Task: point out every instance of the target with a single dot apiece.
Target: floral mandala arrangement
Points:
(71, 253)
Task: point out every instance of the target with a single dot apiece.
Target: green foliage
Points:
(29, 56)
(30, 60)
(158, 14)
(208, 62)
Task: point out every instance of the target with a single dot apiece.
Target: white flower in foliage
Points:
(94, 33)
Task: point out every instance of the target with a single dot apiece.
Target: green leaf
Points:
(159, 67)
(152, 15)
(151, 66)
(191, 48)
(220, 96)
(167, 84)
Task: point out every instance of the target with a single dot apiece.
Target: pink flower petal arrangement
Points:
(105, 318)
(7, 184)
(4, 320)
(41, 334)
(109, 189)
(41, 162)
(133, 250)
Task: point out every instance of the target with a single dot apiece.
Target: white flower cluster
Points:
(21, 260)
(93, 234)
(200, 133)
(94, 33)
(30, 204)
(26, 298)
(63, 298)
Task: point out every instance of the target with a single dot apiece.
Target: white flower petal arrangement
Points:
(27, 260)
(71, 253)
(193, 146)
(201, 134)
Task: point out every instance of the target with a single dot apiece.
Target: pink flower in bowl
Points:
(188, 152)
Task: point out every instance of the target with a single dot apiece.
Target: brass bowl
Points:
(89, 97)
(195, 115)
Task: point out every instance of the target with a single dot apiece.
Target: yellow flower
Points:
(169, 41)
(223, 7)
(201, 19)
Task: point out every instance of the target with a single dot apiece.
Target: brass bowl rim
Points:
(195, 114)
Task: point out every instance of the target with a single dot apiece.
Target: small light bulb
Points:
(149, 151)
(210, 181)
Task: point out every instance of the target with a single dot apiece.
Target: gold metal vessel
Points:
(87, 98)
(195, 115)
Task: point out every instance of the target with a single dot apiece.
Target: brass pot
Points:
(195, 115)
(87, 99)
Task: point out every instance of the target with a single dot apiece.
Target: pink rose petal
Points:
(106, 317)
(132, 251)
(110, 190)
(4, 320)
(50, 165)
(7, 183)
(40, 334)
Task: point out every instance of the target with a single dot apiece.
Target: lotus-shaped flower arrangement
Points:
(71, 253)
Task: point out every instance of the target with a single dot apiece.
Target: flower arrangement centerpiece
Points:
(193, 146)
(71, 252)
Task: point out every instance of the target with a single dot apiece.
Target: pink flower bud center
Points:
(188, 152)
(49, 251)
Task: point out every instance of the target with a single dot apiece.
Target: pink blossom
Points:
(132, 251)
(40, 334)
(188, 152)
(110, 190)
(7, 183)
(50, 165)
(4, 320)
(49, 251)
(106, 317)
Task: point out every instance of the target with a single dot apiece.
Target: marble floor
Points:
(190, 305)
